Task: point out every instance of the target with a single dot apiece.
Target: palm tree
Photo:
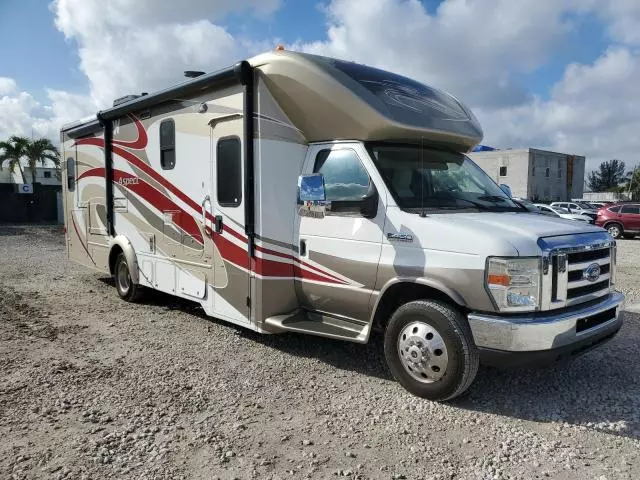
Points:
(40, 150)
(12, 151)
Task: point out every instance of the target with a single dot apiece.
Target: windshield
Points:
(429, 179)
(585, 205)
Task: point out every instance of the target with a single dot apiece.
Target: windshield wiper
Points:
(492, 198)
(496, 199)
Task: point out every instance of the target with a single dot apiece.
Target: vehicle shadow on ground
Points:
(599, 390)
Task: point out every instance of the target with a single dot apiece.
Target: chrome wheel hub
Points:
(422, 352)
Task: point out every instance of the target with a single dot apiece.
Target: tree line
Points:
(612, 176)
(34, 151)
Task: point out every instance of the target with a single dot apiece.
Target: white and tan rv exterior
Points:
(197, 191)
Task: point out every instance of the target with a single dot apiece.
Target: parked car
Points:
(621, 220)
(579, 208)
(562, 213)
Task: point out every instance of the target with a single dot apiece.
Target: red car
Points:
(621, 220)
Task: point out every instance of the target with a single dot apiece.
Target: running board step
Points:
(318, 324)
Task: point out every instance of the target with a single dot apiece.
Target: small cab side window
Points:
(229, 171)
(615, 209)
(345, 178)
(71, 174)
(167, 144)
(633, 209)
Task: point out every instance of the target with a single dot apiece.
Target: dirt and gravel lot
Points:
(93, 387)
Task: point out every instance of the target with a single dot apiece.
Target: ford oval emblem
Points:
(592, 272)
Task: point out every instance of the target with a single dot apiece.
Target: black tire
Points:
(615, 230)
(629, 236)
(452, 326)
(127, 290)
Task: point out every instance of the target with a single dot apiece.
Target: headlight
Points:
(514, 283)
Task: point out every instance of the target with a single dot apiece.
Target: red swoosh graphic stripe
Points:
(134, 160)
(140, 142)
(181, 218)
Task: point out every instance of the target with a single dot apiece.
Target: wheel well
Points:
(612, 221)
(401, 293)
(113, 255)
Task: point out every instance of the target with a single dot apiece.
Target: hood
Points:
(489, 233)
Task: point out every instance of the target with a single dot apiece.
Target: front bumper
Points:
(545, 337)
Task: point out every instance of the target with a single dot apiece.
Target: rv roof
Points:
(329, 99)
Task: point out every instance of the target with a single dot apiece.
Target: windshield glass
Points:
(585, 205)
(430, 179)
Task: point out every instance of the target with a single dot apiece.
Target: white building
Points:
(535, 174)
(44, 176)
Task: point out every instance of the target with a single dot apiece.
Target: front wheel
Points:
(615, 230)
(430, 350)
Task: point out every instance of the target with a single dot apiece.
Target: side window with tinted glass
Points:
(229, 171)
(630, 209)
(167, 144)
(71, 174)
(345, 178)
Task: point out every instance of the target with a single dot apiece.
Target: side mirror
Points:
(506, 189)
(311, 188)
(312, 196)
(369, 203)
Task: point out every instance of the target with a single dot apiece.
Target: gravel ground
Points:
(93, 387)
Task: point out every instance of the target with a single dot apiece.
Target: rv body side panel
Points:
(166, 200)
(85, 201)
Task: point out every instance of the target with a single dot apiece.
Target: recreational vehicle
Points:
(298, 193)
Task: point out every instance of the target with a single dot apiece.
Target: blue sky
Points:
(543, 74)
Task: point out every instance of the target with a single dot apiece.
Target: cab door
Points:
(339, 252)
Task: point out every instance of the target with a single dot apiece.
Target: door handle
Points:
(303, 248)
(206, 200)
(217, 225)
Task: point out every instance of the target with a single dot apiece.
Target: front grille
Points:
(588, 256)
(577, 275)
(576, 269)
(587, 289)
(579, 286)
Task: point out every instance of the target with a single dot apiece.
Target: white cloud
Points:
(7, 86)
(129, 46)
(470, 48)
(593, 110)
(21, 114)
(623, 18)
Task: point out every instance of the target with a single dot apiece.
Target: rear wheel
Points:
(629, 236)
(430, 351)
(127, 290)
(615, 230)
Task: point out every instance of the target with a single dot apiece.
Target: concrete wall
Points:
(535, 174)
(41, 176)
(517, 168)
